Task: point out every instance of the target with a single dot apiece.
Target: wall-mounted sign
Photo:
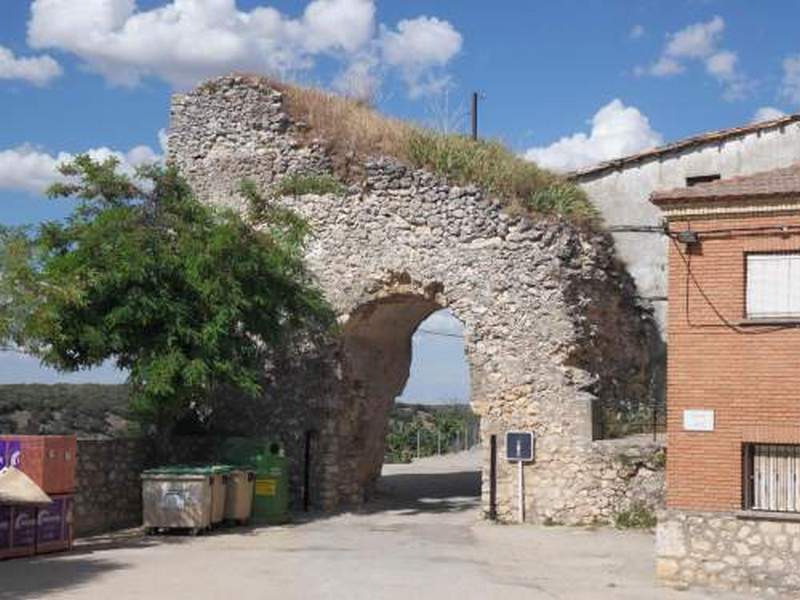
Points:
(698, 420)
(520, 446)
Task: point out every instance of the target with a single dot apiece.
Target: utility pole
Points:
(417, 443)
(475, 116)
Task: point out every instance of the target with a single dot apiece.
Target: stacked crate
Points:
(50, 461)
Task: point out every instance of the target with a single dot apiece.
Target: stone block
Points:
(670, 540)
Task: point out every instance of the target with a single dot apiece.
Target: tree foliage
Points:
(183, 296)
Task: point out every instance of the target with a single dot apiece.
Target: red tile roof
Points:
(767, 184)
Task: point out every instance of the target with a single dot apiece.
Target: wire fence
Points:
(612, 423)
(406, 441)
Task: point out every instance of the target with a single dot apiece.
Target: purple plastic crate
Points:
(2, 454)
(54, 525)
(23, 532)
(5, 528)
(14, 454)
(51, 522)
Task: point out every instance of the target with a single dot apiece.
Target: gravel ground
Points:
(421, 539)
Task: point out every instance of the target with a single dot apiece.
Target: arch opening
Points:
(381, 340)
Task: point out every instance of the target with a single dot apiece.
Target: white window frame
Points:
(772, 285)
(772, 477)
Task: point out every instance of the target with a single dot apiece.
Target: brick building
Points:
(733, 383)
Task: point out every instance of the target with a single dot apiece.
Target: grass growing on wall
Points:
(353, 129)
(300, 184)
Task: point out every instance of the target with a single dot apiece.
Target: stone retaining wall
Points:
(109, 494)
(109, 487)
(724, 551)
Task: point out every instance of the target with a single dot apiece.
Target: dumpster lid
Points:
(203, 470)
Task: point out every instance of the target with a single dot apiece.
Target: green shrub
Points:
(638, 516)
(562, 199)
(487, 164)
(300, 184)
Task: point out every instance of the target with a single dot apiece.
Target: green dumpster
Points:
(271, 500)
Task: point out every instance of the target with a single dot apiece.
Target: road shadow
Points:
(36, 577)
(415, 493)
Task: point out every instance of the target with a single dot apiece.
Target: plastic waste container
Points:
(239, 495)
(183, 497)
(271, 499)
(219, 488)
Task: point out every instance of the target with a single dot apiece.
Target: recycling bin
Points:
(239, 495)
(182, 497)
(219, 489)
(271, 498)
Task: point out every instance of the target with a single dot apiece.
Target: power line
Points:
(441, 333)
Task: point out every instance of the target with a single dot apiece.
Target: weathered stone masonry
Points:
(720, 550)
(549, 319)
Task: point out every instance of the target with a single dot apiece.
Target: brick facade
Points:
(745, 371)
(747, 374)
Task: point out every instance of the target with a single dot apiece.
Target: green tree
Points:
(184, 296)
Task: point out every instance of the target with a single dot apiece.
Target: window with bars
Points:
(773, 286)
(772, 477)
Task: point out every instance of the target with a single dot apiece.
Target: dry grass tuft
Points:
(348, 126)
(353, 130)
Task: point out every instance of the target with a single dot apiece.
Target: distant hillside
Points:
(83, 409)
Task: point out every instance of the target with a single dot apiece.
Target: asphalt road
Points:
(422, 539)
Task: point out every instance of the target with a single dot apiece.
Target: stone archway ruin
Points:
(551, 325)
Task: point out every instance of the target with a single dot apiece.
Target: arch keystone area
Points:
(551, 324)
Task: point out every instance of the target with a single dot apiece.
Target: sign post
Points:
(520, 448)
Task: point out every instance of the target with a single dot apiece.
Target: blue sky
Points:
(564, 83)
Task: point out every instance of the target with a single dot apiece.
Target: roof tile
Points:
(777, 182)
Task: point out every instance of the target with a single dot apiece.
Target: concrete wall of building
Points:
(622, 194)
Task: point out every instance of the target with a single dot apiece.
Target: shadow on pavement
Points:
(37, 577)
(412, 494)
(415, 493)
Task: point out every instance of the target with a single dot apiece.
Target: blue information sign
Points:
(520, 446)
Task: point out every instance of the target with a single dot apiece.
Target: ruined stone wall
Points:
(108, 477)
(724, 551)
(550, 322)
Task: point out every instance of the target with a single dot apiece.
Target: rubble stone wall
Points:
(724, 551)
(550, 318)
(109, 494)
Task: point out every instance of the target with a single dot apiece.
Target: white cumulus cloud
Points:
(38, 70)
(790, 87)
(700, 42)
(27, 168)
(185, 41)
(617, 130)
(767, 113)
(418, 47)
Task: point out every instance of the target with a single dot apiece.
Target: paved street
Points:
(421, 540)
